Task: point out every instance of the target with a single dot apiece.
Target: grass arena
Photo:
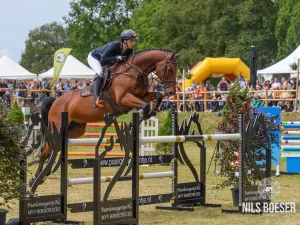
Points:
(148, 214)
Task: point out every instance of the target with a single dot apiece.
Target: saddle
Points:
(108, 77)
(89, 90)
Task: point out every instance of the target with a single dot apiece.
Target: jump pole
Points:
(109, 154)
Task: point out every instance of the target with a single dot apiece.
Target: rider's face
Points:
(130, 43)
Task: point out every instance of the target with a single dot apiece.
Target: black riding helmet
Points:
(128, 34)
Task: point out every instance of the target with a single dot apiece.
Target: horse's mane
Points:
(153, 49)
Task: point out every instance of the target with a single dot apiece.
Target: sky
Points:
(18, 17)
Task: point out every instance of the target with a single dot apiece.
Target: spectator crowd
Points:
(198, 97)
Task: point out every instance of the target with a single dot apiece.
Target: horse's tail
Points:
(47, 103)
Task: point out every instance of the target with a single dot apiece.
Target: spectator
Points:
(285, 105)
(67, 86)
(242, 81)
(276, 95)
(22, 86)
(276, 84)
(80, 85)
(3, 85)
(156, 87)
(58, 87)
(223, 85)
(200, 96)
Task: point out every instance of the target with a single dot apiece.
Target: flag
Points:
(60, 57)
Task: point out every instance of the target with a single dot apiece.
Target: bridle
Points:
(164, 82)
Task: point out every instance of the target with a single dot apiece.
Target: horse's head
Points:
(166, 70)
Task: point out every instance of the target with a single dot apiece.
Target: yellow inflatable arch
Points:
(226, 66)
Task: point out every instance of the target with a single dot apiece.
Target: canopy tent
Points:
(284, 66)
(10, 70)
(73, 69)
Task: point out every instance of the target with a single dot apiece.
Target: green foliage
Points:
(16, 116)
(287, 30)
(10, 138)
(219, 29)
(41, 44)
(95, 23)
(238, 101)
(165, 130)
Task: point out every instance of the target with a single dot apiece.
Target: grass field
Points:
(289, 188)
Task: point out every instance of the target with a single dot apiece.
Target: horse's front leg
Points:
(157, 96)
(131, 101)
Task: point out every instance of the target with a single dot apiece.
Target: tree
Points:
(16, 116)
(287, 29)
(94, 23)
(41, 44)
(219, 29)
(10, 143)
(230, 28)
(165, 130)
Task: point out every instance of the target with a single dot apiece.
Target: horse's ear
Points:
(172, 55)
(178, 54)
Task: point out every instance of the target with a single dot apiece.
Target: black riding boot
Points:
(97, 87)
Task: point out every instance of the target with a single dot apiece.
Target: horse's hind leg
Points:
(45, 152)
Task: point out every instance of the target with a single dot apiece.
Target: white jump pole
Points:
(291, 132)
(183, 138)
(292, 142)
(89, 180)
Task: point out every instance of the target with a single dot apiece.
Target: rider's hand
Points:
(121, 58)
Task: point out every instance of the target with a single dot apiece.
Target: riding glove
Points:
(121, 58)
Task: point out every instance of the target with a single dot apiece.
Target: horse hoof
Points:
(153, 113)
(31, 181)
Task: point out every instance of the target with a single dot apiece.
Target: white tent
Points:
(283, 66)
(10, 70)
(73, 69)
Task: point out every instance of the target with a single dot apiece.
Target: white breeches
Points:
(95, 65)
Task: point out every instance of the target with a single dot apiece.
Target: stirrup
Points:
(99, 102)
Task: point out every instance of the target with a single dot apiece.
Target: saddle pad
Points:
(87, 91)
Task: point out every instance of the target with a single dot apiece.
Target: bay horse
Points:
(128, 90)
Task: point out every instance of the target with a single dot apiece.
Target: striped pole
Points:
(290, 148)
(99, 125)
(291, 132)
(290, 154)
(183, 138)
(290, 137)
(93, 145)
(109, 154)
(89, 180)
(292, 142)
(90, 141)
(99, 134)
(291, 125)
(290, 122)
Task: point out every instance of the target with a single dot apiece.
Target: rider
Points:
(107, 55)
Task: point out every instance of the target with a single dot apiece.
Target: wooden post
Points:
(266, 98)
(204, 103)
(296, 107)
(183, 97)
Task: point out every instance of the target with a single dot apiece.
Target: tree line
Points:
(199, 28)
